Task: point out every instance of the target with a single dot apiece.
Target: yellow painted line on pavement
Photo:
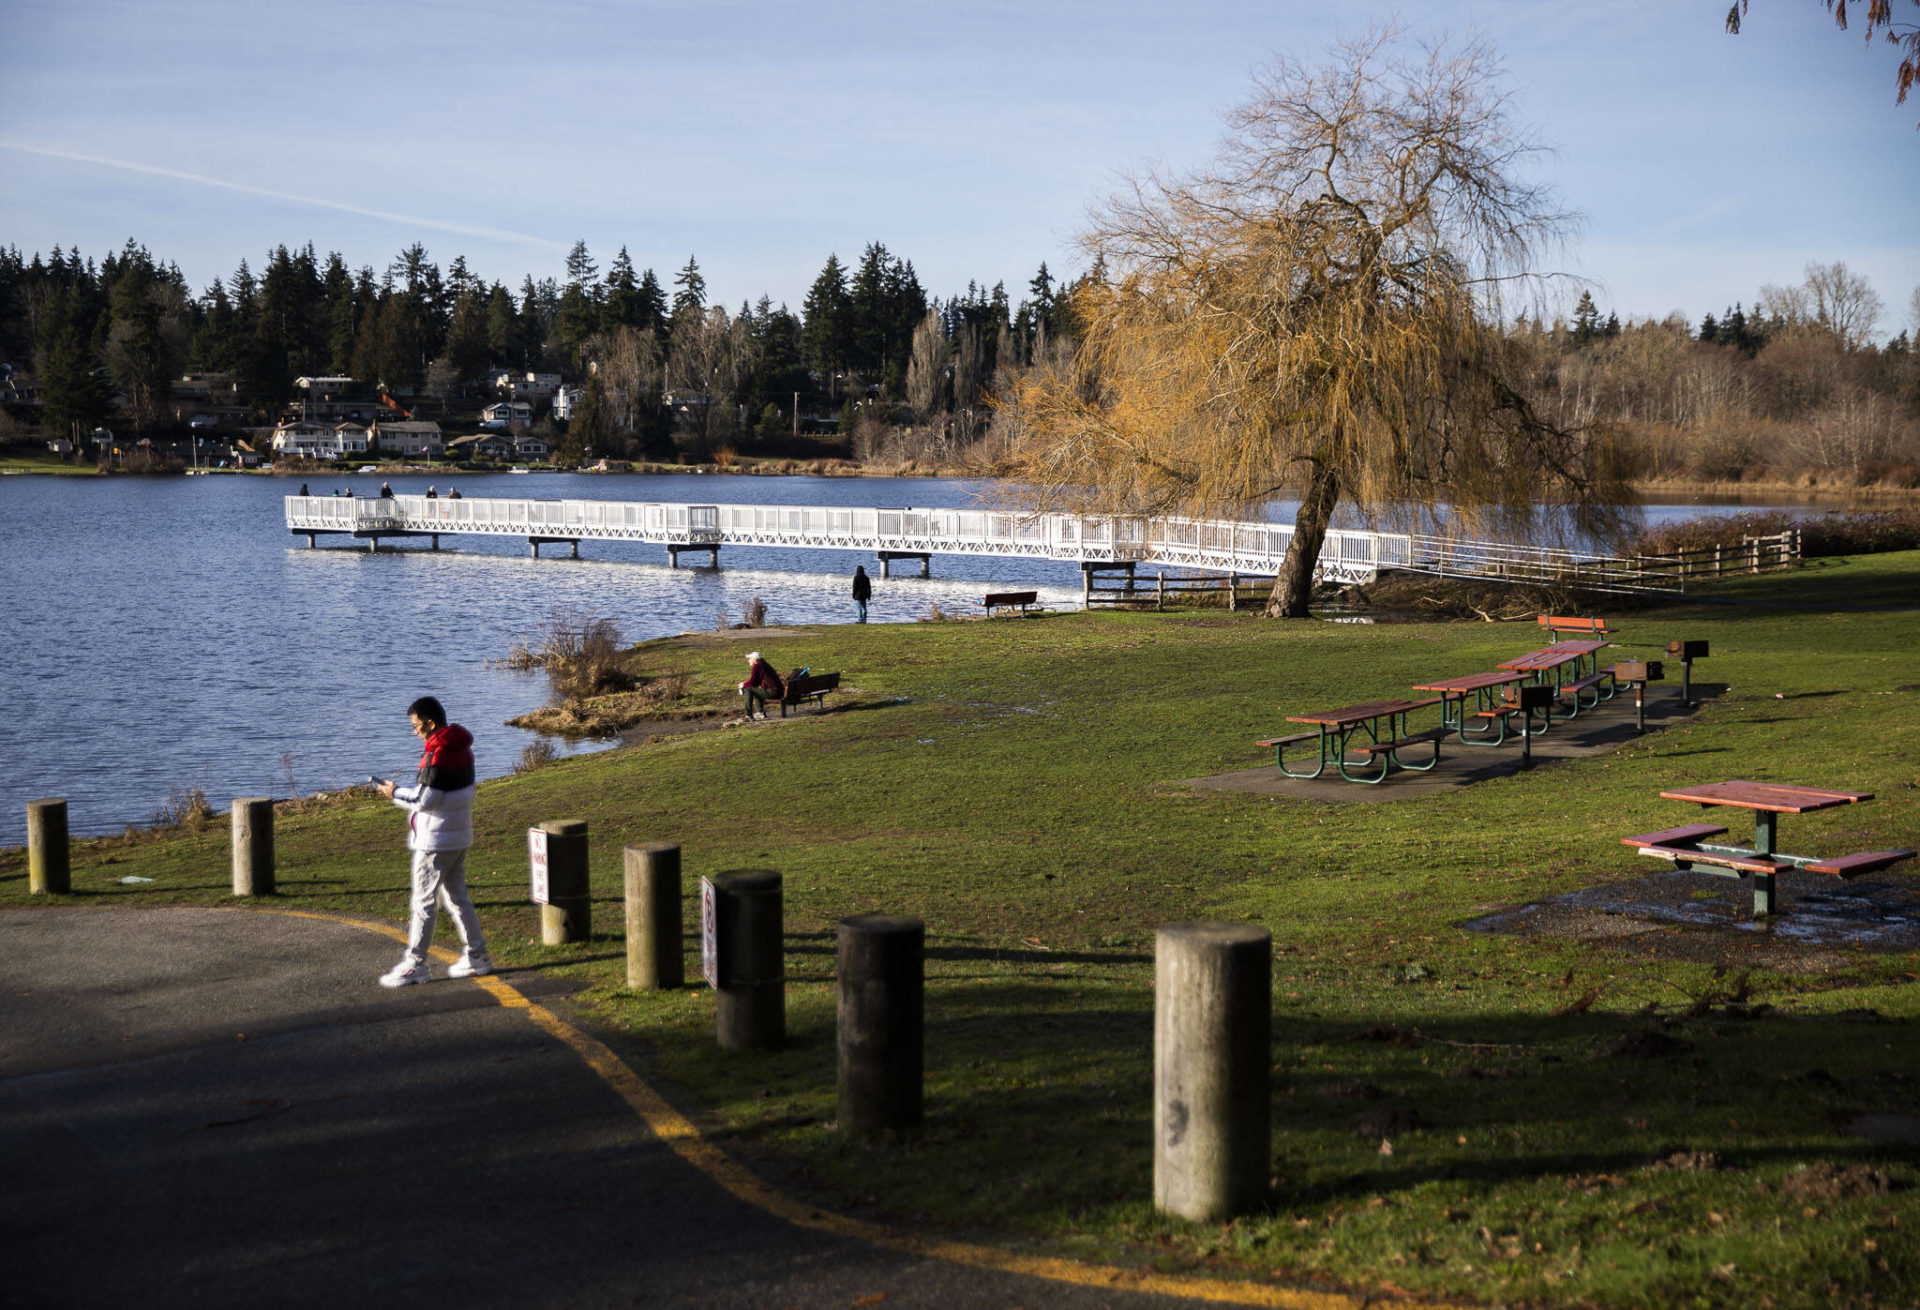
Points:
(683, 1137)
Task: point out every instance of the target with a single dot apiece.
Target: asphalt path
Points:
(212, 1107)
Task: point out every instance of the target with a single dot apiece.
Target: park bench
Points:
(1557, 624)
(1023, 600)
(1846, 866)
(1678, 845)
(813, 686)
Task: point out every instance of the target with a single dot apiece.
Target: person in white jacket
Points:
(439, 809)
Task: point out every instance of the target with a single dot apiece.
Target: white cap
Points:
(753, 654)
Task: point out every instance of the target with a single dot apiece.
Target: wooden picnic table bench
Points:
(812, 686)
(1548, 665)
(1024, 600)
(1382, 733)
(1687, 846)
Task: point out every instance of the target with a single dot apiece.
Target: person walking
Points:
(862, 590)
(762, 684)
(439, 809)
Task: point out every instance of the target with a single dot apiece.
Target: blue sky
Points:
(969, 139)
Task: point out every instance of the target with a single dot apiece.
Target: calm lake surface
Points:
(169, 633)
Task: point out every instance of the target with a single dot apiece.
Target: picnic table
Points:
(1375, 731)
(1550, 666)
(1492, 701)
(1688, 846)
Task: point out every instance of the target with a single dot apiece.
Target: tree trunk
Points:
(1293, 587)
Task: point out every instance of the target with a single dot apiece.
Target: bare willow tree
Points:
(1317, 311)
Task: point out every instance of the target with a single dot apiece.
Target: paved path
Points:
(212, 1107)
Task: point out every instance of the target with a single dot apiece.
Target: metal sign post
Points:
(537, 860)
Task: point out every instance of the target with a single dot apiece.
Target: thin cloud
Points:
(317, 202)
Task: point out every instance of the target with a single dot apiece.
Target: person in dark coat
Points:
(762, 685)
(386, 491)
(862, 590)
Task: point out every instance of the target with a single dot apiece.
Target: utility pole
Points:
(796, 414)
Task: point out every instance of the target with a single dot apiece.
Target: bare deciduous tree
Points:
(927, 390)
(1317, 311)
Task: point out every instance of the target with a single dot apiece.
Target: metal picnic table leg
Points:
(1340, 760)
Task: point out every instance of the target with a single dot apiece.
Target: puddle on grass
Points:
(1709, 913)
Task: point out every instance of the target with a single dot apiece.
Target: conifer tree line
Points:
(867, 337)
(1790, 384)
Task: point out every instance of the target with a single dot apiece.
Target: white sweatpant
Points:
(440, 881)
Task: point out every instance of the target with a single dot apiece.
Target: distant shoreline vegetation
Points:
(1788, 389)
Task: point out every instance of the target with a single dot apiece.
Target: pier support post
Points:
(252, 846)
(653, 916)
(751, 1009)
(49, 858)
(881, 1023)
(568, 914)
(1213, 1003)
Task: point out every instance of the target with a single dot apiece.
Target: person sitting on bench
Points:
(763, 684)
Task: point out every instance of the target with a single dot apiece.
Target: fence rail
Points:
(1220, 546)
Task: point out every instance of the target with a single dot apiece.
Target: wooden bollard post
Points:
(49, 859)
(654, 929)
(751, 1009)
(881, 1028)
(568, 914)
(253, 846)
(1213, 1002)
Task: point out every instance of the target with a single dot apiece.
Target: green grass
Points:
(1016, 784)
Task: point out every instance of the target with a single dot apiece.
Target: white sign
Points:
(537, 857)
(709, 937)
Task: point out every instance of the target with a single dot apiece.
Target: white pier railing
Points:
(1219, 545)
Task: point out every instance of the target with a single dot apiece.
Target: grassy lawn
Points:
(1514, 1119)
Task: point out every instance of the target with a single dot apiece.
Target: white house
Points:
(532, 386)
(319, 440)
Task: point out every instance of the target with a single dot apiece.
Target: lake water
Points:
(168, 633)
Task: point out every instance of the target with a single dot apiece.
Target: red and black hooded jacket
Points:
(447, 762)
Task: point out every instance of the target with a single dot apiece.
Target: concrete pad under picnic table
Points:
(1595, 732)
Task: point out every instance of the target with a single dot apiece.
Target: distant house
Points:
(60, 446)
(484, 445)
(507, 416)
(315, 440)
(529, 386)
(564, 400)
(531, 448)
(412, 439)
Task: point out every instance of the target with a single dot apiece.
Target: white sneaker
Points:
(468, 967)
(405, 975)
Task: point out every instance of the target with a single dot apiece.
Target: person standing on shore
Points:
(862, 590)
(439, 809)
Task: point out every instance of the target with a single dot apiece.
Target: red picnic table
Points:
(1545, 667)
(1384, 725)
(1488, 705)
(1687, 846)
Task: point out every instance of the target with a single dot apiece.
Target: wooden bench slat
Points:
(1581, 684)
(1845, 866)
(1692, 832)
(1688, 854)
(1288, 741)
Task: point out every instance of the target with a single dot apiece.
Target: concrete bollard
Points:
(654, 930)
(881, 1023)
(751, 1009)
(253, 846)
(49, 858)
(568, 914)
(1213, 1002)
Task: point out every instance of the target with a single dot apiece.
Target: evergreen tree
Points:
(689, 297)
(652, 307)
(1586, 319)
(73, 396)
(621, 298)
(826, 331)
